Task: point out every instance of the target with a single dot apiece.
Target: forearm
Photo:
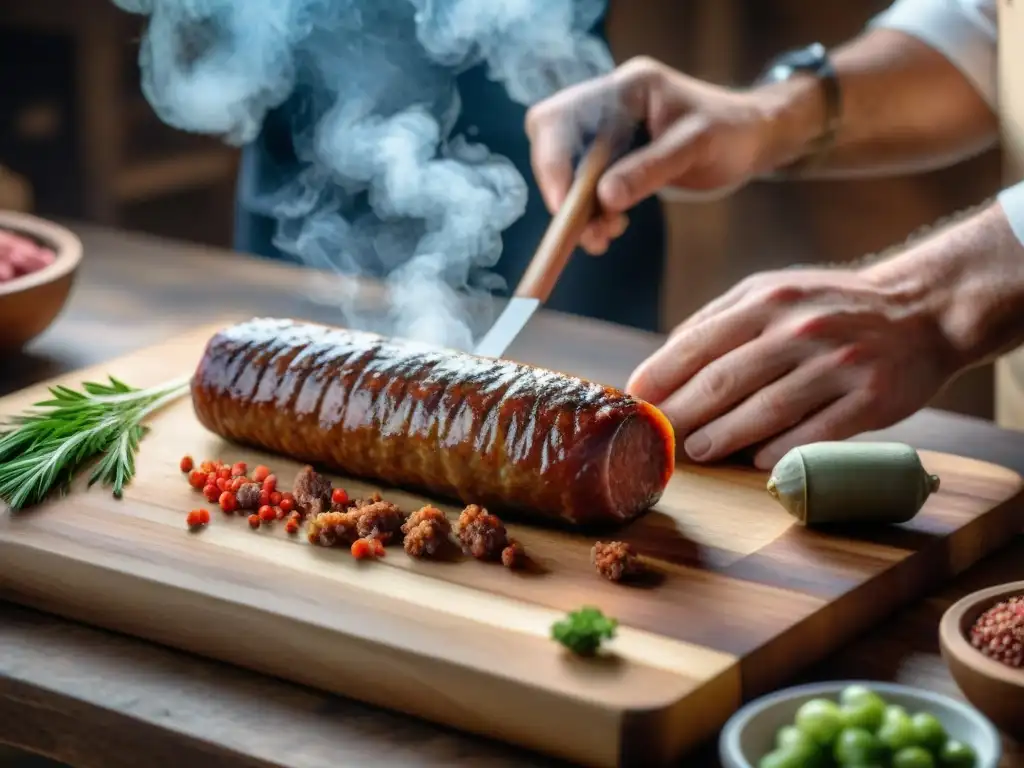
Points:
(905, 107)
(968, 279)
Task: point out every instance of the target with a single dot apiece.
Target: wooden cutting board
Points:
(746, 598)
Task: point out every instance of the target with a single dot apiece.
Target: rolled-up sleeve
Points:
(964, 31)
(1012, 201)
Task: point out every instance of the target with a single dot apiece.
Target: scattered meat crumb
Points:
(379, 520)
(615, 560)
(312, 491)
(328, 529)
(367, 524)
(426, 532)
(514, 555)
(347, 504)
(248, 496)
(481, 534)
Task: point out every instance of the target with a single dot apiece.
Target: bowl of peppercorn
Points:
(38, 263)
(982, 641)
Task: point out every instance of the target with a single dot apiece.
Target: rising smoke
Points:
(385, 189)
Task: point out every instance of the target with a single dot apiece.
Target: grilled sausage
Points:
(479, 430)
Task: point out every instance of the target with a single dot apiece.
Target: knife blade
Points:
(557, 245)
(506, 328)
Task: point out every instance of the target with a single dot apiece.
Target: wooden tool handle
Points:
(566, 227)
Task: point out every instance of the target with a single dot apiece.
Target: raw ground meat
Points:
(312, 491)
(513, 555)
(481, 534)
(426, 532)
(379, 520)
(350, 504)
(20, 256)
(330, 529)
(615, 560)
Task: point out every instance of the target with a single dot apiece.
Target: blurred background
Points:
(79, 142)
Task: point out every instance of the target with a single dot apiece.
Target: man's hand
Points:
(795, 356)
(904, 107)
(703, 138)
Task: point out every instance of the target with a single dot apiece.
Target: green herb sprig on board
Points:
(44, 448)
(583, 631)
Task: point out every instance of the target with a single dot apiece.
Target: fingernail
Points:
(614, 192)
(635, 381)
(697, 445)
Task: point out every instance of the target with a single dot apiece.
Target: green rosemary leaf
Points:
(42, 449)
(118, 464)
(15, 442)
(62, 394)
(113, 388)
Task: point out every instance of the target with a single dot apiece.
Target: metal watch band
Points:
(812, 60)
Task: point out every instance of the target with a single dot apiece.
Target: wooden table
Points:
(94, 699)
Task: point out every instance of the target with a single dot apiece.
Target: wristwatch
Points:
(812, 60)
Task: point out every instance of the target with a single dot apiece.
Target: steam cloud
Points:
(385, 189)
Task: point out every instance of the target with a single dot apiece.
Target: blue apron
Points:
(622, 286)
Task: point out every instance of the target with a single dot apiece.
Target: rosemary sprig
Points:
(44, 448)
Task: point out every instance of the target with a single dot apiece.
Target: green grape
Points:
(793, 741)
(928, 731)
(956, 754)
(866, 712)
(897, 730)
(783, 758)
(790, 737)
(857, 747)
(894, 711)
(913, 757)
(853, 694)
(819, 719)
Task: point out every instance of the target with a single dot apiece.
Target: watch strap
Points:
(812, 60)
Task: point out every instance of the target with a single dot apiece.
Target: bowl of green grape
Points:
(858, 724)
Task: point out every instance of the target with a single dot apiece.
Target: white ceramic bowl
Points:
(750, 733)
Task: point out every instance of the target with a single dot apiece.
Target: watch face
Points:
(809, 59)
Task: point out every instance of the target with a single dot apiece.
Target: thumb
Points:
(642, 173)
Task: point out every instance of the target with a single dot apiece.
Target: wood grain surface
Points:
(745, 600)
(92, 698)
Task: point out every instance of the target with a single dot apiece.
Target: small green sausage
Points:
(851, 482)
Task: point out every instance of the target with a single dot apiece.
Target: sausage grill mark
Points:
(482, 431)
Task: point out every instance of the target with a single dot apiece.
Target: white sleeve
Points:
(1012, 201)
(964, 31)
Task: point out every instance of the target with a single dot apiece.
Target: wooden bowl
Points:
(994, 688)
(29, 304)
